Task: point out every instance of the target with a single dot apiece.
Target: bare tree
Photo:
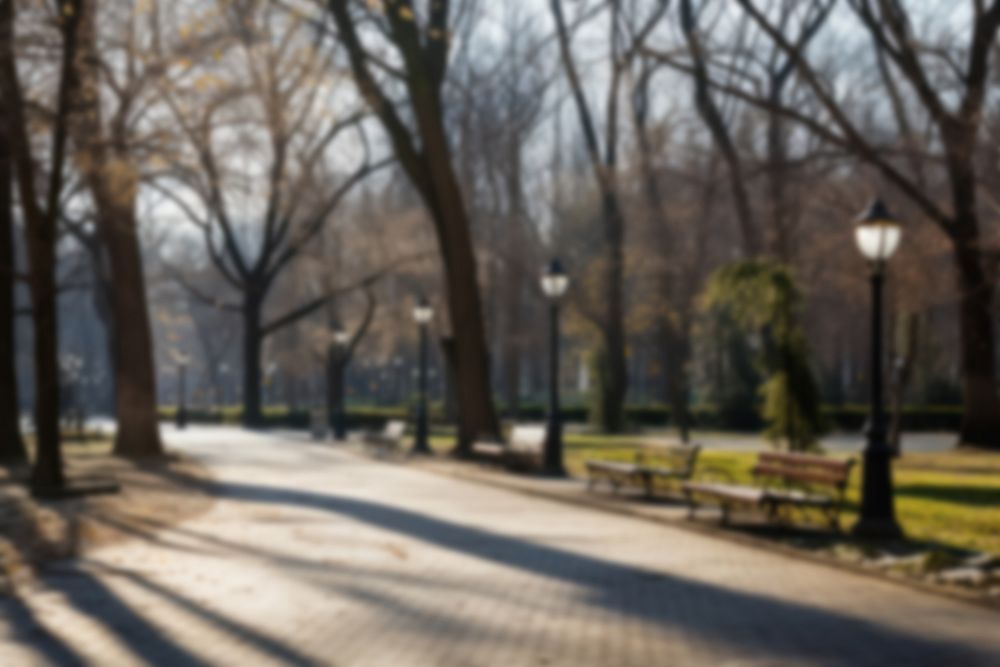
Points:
(957, 118)
(420, 41)
(278, 82)
(715, 120)
(109, 155)
(41, 216)
(499, 105)
(627, 34)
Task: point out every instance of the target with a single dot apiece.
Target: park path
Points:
(315, 556)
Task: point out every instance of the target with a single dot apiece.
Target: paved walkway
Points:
(314, 556)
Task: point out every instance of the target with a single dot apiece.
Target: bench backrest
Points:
(527, 439)
(805, 469)
(394, 429)
(680, 458)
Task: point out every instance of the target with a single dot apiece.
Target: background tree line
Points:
(234, 182)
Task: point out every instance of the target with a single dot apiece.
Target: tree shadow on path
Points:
(749, 624)
(26, 630)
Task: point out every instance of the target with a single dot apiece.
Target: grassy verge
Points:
(948, 499)
(951, 499)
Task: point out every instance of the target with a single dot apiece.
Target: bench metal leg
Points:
(647, 482)
(692, 505)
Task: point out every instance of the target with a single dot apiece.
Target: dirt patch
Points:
(32, 531)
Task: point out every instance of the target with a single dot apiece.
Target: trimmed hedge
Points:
(850, 417)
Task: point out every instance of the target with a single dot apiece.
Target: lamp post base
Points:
(552, 465)
(877, 529)
(421, 445)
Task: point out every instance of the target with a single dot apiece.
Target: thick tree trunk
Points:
(138, 433)
(677, 344)
(450, 382)
(48, 469)
(252, 341)
(981, 421)
(613, 328)
(511, 345)
(113, 182)
(476, 413)
(11, 444)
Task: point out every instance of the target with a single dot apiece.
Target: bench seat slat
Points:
(614, 467)
(747, 494)
(758, 496)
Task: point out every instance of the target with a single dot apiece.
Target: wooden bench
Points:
(784, 482)
(525, 448)
(678, 466)
(389, 439)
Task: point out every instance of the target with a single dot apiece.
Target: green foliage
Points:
(760, 298)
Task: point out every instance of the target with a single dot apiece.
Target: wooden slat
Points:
(614, 466)
(800, 474)
(746, 494)
(805, 460)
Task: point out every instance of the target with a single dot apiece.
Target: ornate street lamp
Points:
(341, 339)
(878, 235)
(422, 315)
(554, 282)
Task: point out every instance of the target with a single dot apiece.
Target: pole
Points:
(181, 398)
(878, 514)
(553, 434)
(420, 444)
(339, 418)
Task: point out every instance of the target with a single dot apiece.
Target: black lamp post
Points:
(341, 338)
(181, 393)
(878, 235)
(555, 282)
(422, 314)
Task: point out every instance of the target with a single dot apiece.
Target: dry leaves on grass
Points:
(33, 532)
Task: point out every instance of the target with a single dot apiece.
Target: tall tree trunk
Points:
(114, 184)
(252, 342)
(781, 234)
(678, 353)
(430, 169)
(511, 350)
(41, 241)
(476, 413)
(981, 420)
(11, 444)
(138, 434)
(613, 327)
(710, 113)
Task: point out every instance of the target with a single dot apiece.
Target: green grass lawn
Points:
(949, 499)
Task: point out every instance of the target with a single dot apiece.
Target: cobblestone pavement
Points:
(314, 556)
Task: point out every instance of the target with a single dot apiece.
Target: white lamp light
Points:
(554, 280)
(422, 312)
(877, 233)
